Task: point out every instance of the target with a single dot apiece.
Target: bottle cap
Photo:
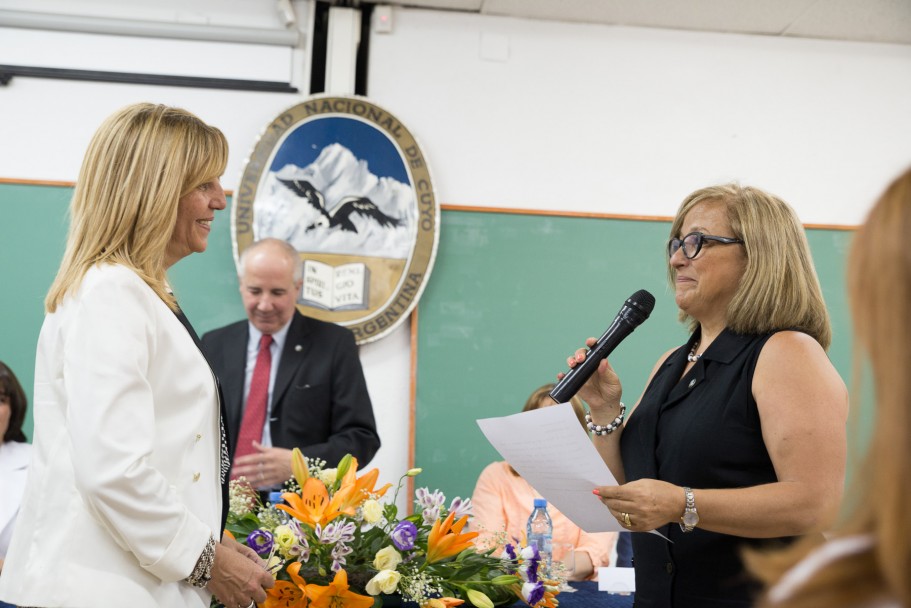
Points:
(540, 502)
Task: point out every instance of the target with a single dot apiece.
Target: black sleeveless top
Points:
(702, 431)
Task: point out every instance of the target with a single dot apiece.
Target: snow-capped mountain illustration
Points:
(288, 206)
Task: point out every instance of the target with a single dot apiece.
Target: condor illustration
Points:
(339, 217)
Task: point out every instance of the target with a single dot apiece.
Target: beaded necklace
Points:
(692, 357)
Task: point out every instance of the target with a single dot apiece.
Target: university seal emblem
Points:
(345, 183)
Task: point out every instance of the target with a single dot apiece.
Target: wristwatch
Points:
(690, 517)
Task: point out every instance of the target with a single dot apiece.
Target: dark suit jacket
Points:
(319, 402)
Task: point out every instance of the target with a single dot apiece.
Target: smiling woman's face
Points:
(705, 285)
(195, 213)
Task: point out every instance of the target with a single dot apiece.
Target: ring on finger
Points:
(627, 523)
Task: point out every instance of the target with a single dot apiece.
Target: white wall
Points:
(627, 120)
(515, 114)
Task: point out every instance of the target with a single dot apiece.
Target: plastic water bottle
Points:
(540, 531)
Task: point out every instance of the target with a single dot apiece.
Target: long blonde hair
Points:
(879, 286)
(779, 288)
(140, 162)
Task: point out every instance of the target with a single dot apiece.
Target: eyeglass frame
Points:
(700, 239)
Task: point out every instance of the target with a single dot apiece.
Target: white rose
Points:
(327, 476)
(372, 510)
(284, 538)
(387, 558)
(385, 581)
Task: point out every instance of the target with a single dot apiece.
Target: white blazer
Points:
(14, 457)
(124, 485)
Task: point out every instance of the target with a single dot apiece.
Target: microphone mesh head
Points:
(643, 300)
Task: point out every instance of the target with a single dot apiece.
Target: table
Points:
(587, 595)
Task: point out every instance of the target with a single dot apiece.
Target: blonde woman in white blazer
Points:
(14, 454)
(124, 501)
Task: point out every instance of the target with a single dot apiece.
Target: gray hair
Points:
(282, 247)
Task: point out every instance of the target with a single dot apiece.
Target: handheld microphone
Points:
(635, 310)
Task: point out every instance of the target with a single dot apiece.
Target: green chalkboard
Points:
(512, 295)
(33, 225)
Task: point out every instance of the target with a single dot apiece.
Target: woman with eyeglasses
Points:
(739, 437)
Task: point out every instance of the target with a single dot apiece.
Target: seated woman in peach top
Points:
(502, 501)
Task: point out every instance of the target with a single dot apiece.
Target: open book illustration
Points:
(342, 287)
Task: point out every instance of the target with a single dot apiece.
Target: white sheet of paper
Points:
(617, 580)
(551, 450)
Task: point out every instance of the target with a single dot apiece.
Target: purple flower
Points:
(334, 533)
(431, 514)
(531, 570)
(404, 535)
(460, 507)
(532, 593)
(510, 551)
(426, 499)
(260, 541)
(510, 558)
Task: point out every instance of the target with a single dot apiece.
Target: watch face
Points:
(690, 518)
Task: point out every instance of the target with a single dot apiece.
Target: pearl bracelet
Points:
(597, 429)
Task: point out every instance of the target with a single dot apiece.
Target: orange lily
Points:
(446, 540)
(337, 595)
(312, 506)
(353, 490)
(287, 594)
(550, 600)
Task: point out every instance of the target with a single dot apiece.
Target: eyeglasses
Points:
(692, 243)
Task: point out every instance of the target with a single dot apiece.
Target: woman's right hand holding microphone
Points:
(602, 391)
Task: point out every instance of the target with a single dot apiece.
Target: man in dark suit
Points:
(288, 380)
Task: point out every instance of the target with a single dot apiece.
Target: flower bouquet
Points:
(332, 542)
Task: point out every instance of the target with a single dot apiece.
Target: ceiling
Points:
(887, 21)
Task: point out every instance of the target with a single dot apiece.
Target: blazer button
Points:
(198, 437)
(670, 568)
(195, 477)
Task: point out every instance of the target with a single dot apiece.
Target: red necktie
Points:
(251, 428)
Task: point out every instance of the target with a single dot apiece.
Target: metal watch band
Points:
(690, 516)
